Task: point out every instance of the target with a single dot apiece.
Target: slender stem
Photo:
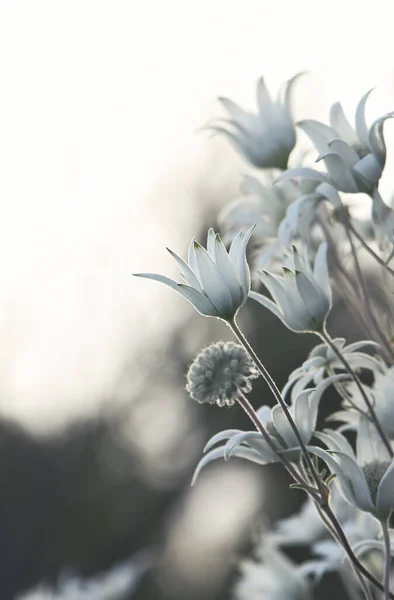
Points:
(387, 559)
(349, 584)
(369, 250)
(278, 397)
(248, 408)
(373, 324)
(326, 338)
(348, 549)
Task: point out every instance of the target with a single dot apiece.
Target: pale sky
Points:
(99, 106)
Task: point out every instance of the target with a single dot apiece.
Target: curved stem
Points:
(387, 559)
(372, 322)
(326, 338)
(278, 397)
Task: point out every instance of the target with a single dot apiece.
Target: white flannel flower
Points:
(383, 221)
(366, 478)
(267, 138)
(252, 446)
(306, 527)
(276, 578)
(363, 532)
(323, 360)
(217, 282)
(354, 159)
(118, 583)
(381, 395)
(220, 374)
(302, 298)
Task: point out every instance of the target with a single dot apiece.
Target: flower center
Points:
(374, 472)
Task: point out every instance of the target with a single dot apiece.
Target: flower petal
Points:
(385, 495)
(376, 139)
(319, 133)
(227, 269)
(267, 303)
(237, 255)
(346, 152)
(361, 125)
(220, 437)
(340, 123)
(213, 283)
(201, 303)
(283, 427)
(217, 453)
(186, 271)
(340, 172)
(320, 270)
(303, 173)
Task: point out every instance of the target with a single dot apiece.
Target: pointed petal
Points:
(369, 171)
(166, 280)
(385, 495)
(319, 133)
(235, 111)
(303, 173)
(211, 243)
(267, 303)
(249, 436)
(213, 283)
(283, 427)
(217, 453)
(358, 481)
(192, 260)
(220, 437)
(186, 271)
(320, 270)
(340, 173)
(361, 125)
(376, 139)
(369, 446)
(346, 152)
(329, 192)
(340, 123)
(201, 303)
(264, 100)
(227, 269)
(237, 255)
(302, 416)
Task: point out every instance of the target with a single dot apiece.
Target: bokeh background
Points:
(102, 165)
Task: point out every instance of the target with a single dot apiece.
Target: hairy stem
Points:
(278, 397)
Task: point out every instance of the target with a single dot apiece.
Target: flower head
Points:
(220, 373)
(366, 479)
(217, 282)
(302, 298)
(276, 578)
(354, 159)
(264, 139)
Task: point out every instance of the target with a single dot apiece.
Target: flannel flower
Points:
(381, 396)
(216, 282)
(354, 159)
(267, 138)
(276, 578)
(302, 298)
(252, 446)
(323, 360)
(365, 478)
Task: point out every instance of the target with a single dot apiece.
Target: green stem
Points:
(326, 338)
(278, 397)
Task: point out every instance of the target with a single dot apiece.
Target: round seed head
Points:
(221, 373)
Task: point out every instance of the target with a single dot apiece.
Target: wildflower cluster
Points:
(300, 219)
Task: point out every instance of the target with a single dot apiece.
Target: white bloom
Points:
(354, 159)
(366, 478)
(252, 446)
(306, 527)
(217, 282)
(267, 138)
(322, 360)
(302, 298)
(220, 373)
(117, 583)
(276, 578)
(383, 220)
(381, 395)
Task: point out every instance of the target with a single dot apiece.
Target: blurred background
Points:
(102, 165)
